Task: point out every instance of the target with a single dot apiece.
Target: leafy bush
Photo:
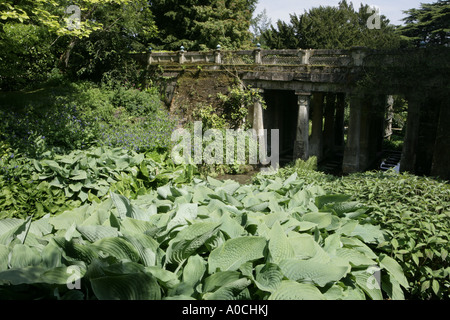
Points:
(210, 240)
(136, 102)
(414, 210)
(85, 115)
(31, 187)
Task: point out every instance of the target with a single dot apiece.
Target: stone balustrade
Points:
(338, 58)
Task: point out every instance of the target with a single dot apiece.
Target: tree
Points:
(99, 34)
(258, 25)
(203, 24)
(327, 27)
(429, 25)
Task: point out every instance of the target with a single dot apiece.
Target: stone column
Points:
(440, 167)
(301, 147)
(316, 142)
(351, 162)
(258, 56)
(258, 122)
(409, 155)
(339, 121)
(328, 131)
(218, 56)
(389, 119)
(306, 56)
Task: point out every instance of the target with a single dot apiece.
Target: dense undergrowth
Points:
(92, 207)
(414, 210)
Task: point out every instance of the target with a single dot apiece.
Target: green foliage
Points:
(35, 37)
(198, 26)
(82, 115)
(237, 103)
(209, 118)
(427, 25)
(24, 56)
(31, 187)
(340, 27)
(209, 240)
(414, 210)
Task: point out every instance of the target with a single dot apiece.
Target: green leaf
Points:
(126, 209)
(136, 286)
(186, 212)
(189, 240)
(233, 253)
(11, 229)
(118, 248)
(311, 270)
(194, 270)
(322, 219)
(369, 284)
(279, 245)
(292, 290)
(394, 269)
(369, 233)
(355, 258)
(62, 275)
(95, 233)
(230, 291)
(79, 176)
(268, 277)
(23, 256)
(321, 201)
(27, 275)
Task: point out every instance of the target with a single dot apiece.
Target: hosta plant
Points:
(209, 240)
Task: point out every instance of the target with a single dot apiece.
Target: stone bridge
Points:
(308, 93)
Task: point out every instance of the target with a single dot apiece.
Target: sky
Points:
(280, 9)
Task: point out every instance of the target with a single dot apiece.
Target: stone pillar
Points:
(258, 123)
(316, 142)
(389, 119)
(258, 56)
(301, 147)
(181, 57)
(306, 55)
(218, 57)
(409, 156)
(440, 167)
(351, 162)
(328, 131)
(377, 113)
(358, 55)
(339, 122)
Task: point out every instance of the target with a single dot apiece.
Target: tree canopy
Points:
(203, 24)
(328, 27)
(428, 25)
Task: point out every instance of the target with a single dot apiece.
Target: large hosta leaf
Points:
(367, 282)
(95, 233)
(189, 240)
(394, 269)
(11, 229)
(136, 286)
(231, 291)
(118, 248)
(279, 245)
(233, 253)
(268, 277)
(126, 209)
(24, 256)
(311, 270)
(292, 290)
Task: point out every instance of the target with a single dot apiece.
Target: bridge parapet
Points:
(290, 57)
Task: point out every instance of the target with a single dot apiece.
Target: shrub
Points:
(208, 240)
(414, 210)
